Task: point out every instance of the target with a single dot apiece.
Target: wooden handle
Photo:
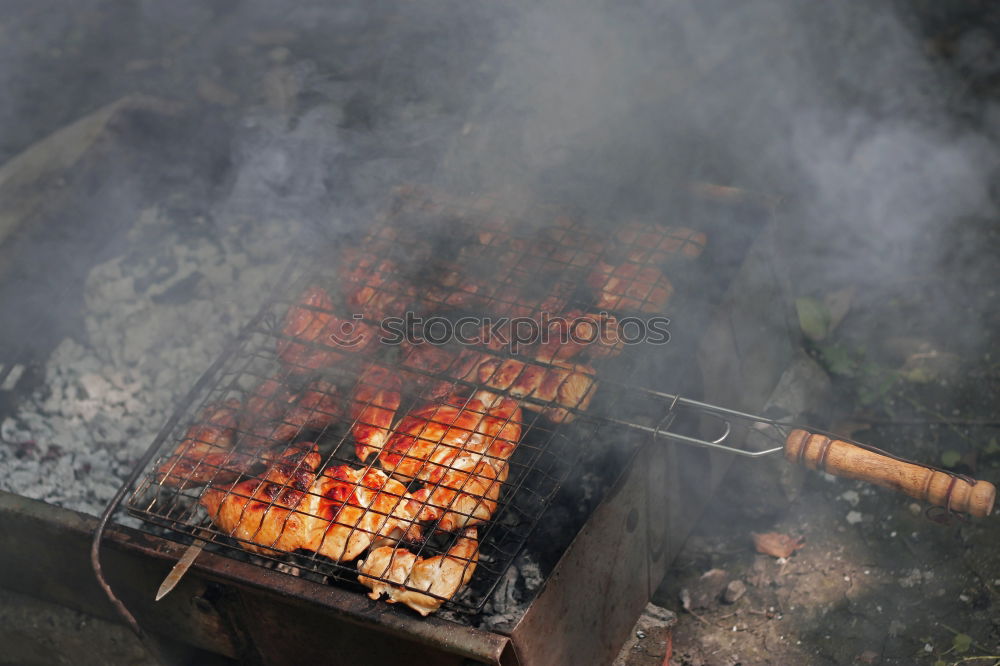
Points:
(841, 458)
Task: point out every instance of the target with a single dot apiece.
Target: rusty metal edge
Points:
(345, 605)
(568, 586)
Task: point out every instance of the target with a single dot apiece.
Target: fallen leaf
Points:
(838, 359)
(777, 545)
(962, 643)
(814, 318)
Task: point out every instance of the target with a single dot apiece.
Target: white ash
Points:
(156, 317)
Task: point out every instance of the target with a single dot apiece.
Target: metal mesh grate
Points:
(317, 443)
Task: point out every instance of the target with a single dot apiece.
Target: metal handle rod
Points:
(658, 431)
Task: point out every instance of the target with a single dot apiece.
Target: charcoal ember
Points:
(513, 594)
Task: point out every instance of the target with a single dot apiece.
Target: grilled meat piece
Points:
(268, 401)
(442, 575)
(466, 494)
(313, 337)
(206, 452)
(629, 286)
(654, 244)
(566, 387)
(338, 514)
(373, 408)
(576, 332)
(373, 285)
(571, 243)
(275, 415)
(262, 513)
(435, 368)
(430, 437)
(366, 508)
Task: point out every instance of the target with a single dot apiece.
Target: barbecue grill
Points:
(635, 515)
(545, 453)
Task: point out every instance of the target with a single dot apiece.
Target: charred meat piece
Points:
(435, 368)
(629, 274)
(629, 286)
(338, 514)
(466, 494)
(360, 508)
(512, 276)
(567, 387)
(423, 584)
(373, 406)
(373, 285)
(275, 415)
(654, 244)
(268, 401)
(577, 332)
(312, 337)
(429, 438)
(262, 513)
(206, 452)
(572, 244)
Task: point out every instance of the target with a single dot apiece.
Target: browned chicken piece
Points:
(365, 508)
(429, 438)
(530, 297)
(513, 276)
(338, 514)
(629, 286)
(275, 415)
(655, 244)
(261, 512)
(423, 584)
(435, 368)
(466, 495)
(373, 285)
(373, 406)
(567, 387)
(268, 401)
(573, 245)
(206, 452)
(312, 337)
(576, 332)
